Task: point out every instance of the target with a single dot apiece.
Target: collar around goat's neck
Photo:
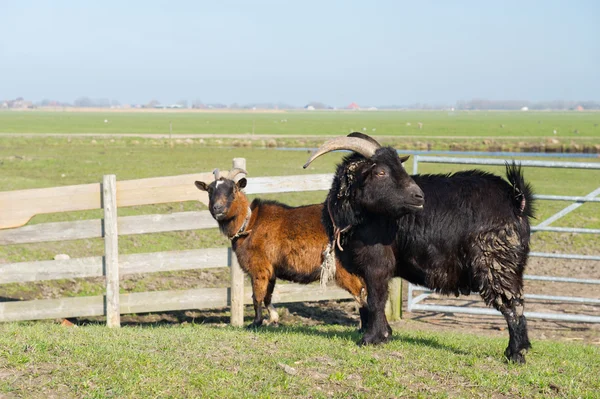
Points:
(242, 231)
(337, 232)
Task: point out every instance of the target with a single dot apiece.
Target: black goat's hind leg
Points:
(518, 344)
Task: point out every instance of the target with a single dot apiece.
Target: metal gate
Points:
(415, 302)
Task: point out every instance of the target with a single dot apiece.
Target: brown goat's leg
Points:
(356, 287)
(273, 315)
(259, 291)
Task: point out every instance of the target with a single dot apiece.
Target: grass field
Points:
(46, 360)
(571, 125)
(41, 360)
(50, 161)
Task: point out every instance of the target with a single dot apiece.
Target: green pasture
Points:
(47, 162)
(521, 125)
(44, 360)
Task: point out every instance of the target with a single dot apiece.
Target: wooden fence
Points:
(17, 208)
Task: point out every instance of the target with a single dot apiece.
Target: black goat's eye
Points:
(381, 173)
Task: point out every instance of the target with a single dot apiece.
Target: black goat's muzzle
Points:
(416, 198)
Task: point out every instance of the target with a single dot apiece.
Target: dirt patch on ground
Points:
(346, 312)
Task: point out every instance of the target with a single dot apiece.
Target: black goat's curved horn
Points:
(217, 174)
(365, 137)
(234, 172)
(363, 146)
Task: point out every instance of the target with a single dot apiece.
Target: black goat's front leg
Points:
(377, 277)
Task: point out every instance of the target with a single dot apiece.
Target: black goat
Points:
(454, 233)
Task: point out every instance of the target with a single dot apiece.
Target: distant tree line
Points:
(485, 104)
(87, 102)
(474, 104)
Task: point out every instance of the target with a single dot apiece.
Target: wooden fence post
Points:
(111, 251)
(393, 308)
(237, 275)
(237, 291)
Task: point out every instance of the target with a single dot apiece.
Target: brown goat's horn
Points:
(364, 147)
(217, 174)
(234, 172)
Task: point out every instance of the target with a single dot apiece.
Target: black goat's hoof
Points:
(515, 357)
(373, 339)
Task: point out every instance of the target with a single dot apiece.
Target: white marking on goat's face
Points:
(221, 195)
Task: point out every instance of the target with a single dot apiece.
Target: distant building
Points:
(579, 108)
(309, 108)
(18, 103)
(353, 106)
(525, 109)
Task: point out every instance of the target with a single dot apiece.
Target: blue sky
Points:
(370, 52)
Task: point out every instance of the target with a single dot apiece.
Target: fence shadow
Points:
(313, 313)
(8, 299)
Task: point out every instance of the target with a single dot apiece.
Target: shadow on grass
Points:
(8, 299)
(354, 335)
(314, 313)
(318, 317)
(295, 318)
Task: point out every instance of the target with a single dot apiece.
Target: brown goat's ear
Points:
(201, 185)
(241, 183)
(404, 158)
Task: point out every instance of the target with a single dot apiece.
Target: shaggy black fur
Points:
(472, 234)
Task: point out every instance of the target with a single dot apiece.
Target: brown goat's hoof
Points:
(254, 325)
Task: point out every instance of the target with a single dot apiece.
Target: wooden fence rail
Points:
(19, 206)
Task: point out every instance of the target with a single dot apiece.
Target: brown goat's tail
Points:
(522, 191)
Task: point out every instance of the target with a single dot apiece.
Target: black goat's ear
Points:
(201, 185)
(404, 158)
(368, 168)
(241, 183)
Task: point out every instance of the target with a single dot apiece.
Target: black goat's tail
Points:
(523, 193)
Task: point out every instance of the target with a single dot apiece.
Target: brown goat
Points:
(273, 240)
